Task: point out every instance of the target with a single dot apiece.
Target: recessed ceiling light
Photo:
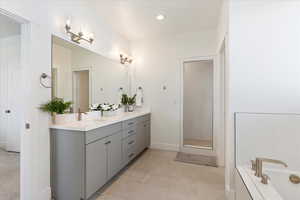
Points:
(160, 17)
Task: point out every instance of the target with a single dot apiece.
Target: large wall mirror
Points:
(85, 77)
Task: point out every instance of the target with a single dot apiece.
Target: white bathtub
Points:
(278, 188)
(280, 181)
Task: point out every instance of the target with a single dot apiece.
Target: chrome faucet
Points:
(79, 117)
(259, 165)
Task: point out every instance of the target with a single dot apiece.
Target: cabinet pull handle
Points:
(129, 132)
(108, 142)
(131, 123)
(131, 142)
(130, 156)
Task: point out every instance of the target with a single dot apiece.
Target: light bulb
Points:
(160, 17)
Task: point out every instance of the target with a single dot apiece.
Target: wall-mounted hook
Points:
(42, 77)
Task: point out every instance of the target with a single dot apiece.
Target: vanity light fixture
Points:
(79, 36)
(125, 59)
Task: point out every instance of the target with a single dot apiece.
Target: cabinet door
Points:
(114, 154)
(147, 126)
(140, 138)
(96, 166)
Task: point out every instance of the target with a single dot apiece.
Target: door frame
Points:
(78, 69)
(193, 150)
(25, 148)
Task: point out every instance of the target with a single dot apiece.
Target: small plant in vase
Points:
(56, 106)
(124, 102)
(131, 103)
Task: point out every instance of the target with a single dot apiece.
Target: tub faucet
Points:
(259, 165)
(79, 117)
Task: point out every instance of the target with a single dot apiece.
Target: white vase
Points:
(130, 108)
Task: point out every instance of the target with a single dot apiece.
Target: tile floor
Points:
(156, 176)
(9, 175)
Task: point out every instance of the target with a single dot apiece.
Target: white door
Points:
(3, 96)
(10, 93)
(14, 94)
(81, 84)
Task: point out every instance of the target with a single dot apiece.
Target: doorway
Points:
(81, 90)
(198, 104)
(10, 107)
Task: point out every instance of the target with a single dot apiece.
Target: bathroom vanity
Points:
(88, 154)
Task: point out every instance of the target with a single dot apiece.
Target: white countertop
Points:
(90, 124)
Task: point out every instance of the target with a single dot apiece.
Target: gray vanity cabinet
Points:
(82, 162)
(114, 151)
(103, 161)
(147, 130)
(142, 136)
(96, 166)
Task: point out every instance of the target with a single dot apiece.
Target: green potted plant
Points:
(124, 102)
(131, 103)
(56, 106)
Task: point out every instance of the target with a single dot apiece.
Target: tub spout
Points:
(259, 165)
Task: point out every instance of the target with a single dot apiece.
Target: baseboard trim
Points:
(165, 146)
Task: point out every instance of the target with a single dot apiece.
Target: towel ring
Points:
(42, 77)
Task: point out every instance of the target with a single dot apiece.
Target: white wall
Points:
(223, 56)
(48, 17)
(264, 132)
(264, 59)
(157, 64)
(198, 100)
(52, 14)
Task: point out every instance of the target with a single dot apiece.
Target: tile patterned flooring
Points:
(156, 176)
(9, 175)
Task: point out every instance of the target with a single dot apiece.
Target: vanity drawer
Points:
(131, 153)
(128, 154)
(129, 123)
(99, 133)
(129, 142)
(128, 132)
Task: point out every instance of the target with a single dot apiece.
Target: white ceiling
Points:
(136, 19)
